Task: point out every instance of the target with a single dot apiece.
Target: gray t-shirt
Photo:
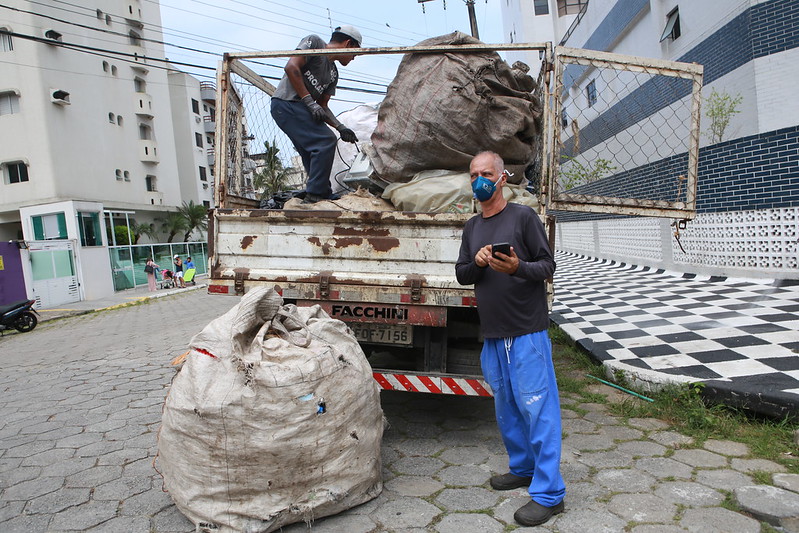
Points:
(319, 73)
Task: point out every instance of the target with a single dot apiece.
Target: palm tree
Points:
(173, 223)
(195, 216)
(272, 177)
(143, 229)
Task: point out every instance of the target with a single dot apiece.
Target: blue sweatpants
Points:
(522, 378)
(315, 143)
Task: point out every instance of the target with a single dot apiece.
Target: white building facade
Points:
(748, 184)
(87, 137)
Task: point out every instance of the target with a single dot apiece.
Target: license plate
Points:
(382, 333)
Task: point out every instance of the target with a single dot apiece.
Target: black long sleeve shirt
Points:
(508, 305)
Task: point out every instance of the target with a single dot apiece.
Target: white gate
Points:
(53, 271)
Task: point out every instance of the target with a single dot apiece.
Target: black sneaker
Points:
(509, 481)
(312, 198)
(533, 514)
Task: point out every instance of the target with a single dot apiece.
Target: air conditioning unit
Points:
(60, 97)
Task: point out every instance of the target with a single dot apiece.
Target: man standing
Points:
(517, 354)
(299, 107)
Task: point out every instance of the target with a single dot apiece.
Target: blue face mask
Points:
(483, 188)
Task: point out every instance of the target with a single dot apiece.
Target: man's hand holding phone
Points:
(503, 258)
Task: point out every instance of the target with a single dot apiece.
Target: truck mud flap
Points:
(463, 386)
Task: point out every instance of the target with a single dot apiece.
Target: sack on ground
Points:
(273, 419)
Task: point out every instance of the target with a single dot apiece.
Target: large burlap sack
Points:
(444, 191)
(274, 418)
(442, 109)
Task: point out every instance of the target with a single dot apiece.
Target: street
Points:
(80, 409)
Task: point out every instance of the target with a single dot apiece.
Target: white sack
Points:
(273, 419)
(363, 121)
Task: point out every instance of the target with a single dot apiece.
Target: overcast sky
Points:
(247, 25)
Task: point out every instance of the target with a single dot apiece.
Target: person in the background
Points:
(179, 272)
(517, 353)
(149, 268)
(189, 263)
(299, 107)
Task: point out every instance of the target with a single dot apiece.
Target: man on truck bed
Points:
(299, 107)
(517, 355)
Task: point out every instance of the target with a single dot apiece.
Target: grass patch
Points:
(683, 407)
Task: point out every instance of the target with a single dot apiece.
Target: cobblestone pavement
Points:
(80, 407)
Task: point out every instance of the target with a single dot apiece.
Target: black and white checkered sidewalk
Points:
(739, 337)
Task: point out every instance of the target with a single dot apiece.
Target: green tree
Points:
(143, 229)
(123, 235)
(173, 223)
(195, 216)
(273, 176)
(721, 106)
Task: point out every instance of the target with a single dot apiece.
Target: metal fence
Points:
(127, 262)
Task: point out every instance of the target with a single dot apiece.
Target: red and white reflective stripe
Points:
(432, 384)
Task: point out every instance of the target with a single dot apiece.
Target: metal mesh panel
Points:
(626, 136)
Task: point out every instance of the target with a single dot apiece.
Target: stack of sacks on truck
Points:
(274, 418)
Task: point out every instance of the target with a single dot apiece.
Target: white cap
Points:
(176, 256)
(349, 31)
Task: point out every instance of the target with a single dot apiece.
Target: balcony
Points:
(143, 104)
(209, 124)
(148, 151)
(210, 154)
(208, 91)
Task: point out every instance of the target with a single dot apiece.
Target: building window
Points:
(541, 7)
(112, 118)
(203, 175)
(134, 38)
(127, 175)
(672, 29)
(198, 139)
(89, 228)
(195, 106)
(108, 20)
(149, 181)
(118, 174)
(113, 70)
(208, 139)
(119, 120)
(48, 227)
(106, 66)
(145, 132)
(9, 103)
(206, 203)
(16, 172)
(100, 14)
(139, 85)
(570, 7)
(6, 44)
(590, 93)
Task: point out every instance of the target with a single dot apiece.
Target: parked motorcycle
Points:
(20, 316)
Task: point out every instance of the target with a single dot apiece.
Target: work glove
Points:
(347, 135)
(317, 111)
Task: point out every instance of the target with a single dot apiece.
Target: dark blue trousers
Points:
(522, 378)
(315, 143)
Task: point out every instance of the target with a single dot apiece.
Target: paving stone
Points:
(79, 440)
(19, 475)
(99, 448)
(29, 449)
(625, 480)
(26, 524)
(723, 479)
(642, 508)
(664, 467)
(588, 521)
(787, 481)
(602, 419)
(508, 505)
(464, 455)
(670, 438)
(574, 471)
(767, 503)
(755, 465)
(656, 528)
(84, 516)
(122, 457)
(648, 423)
(641, 448)
(582, 493)
(588, 442)
(578, 425)
(92, 477)
(463, 475)
(170, 520)
(9, 510)
(471, 499)
(418, 466)
(689, 494)
(341, 523)
(611, 459)
(405, 513)
(68, 467)
(718, 520)
(594, 407)
(700, 458)
(621, 433)
(122, 488)
(726, 447)
(57, 501)
(132, 524)
(476, 523)
(416, 486)
(27, 490)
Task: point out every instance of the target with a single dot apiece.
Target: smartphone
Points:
(500, 247)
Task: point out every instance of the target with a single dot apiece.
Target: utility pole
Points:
(472, 16)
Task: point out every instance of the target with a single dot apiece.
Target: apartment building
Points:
(748, 178)
(88, 139)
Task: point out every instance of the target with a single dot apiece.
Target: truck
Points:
(390, 275)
